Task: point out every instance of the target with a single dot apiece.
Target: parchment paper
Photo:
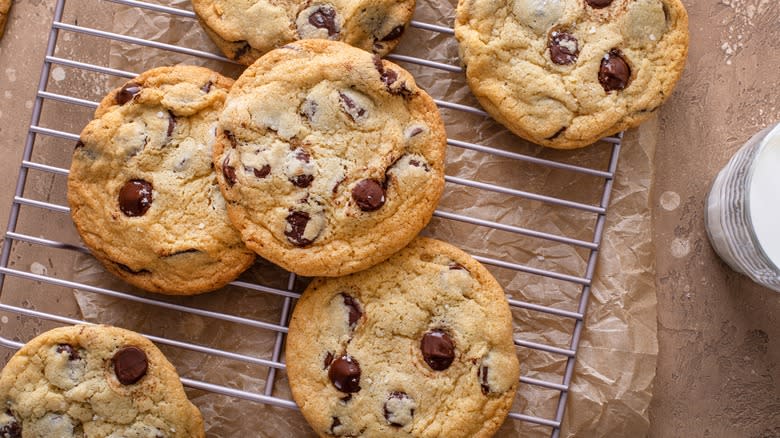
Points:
(612, 385)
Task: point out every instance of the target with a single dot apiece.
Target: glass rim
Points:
(767, 132)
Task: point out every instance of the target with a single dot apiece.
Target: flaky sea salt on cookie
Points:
(330, 158)
(564, 73)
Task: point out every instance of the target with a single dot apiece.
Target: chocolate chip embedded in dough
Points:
(350, 107)
(325, 18)
(564, 48)
(130, 365)
(328, 360)
(334, 424)
(262, 172)
(231, 138)
(614, 72)
(394, 34)
(297, 221)
(243, 50)
(344, 373)
(127, 93)
(482, 372)
(229, 172)
(206, 88)
(171, 123)
(369, 195)
(598, 4)
(73, 354)
(438, 350)
(135, 197)
(11, 429)
(399, 409)
(354, 309)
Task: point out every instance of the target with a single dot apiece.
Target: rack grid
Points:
(38, 133)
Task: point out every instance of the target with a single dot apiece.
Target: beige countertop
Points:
(719, 334)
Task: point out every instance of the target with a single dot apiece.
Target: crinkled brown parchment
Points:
(612, 385)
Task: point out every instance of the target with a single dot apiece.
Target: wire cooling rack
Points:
(51, 209)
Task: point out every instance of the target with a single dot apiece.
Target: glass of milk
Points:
(742, 214)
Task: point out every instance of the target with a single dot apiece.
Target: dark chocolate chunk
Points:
(369, 194)
(344, 372)
(389, 77)
(391, 415)
(354, 310)
(130, 365)
(171, 123)
(135, 197)
(302, 181)
(127, 93)
(302, 155)
(328, 360)
(394, 34)
(482, 372)
(563, 48)
(241, 51)
(206, 88)
(346, 398)
(333, 425)
(262, 172)
(350, 107)
(73, 354)
(324, 18)
(231, 138)
(614, 72)
(438, 350)
(309, 109)
(297, 221)
(598, 4)
(79, 144)
(229, 172)
(12, 429)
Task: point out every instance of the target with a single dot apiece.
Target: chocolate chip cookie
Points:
(94, 381)
(142, 190)
(5, 6)
(420, 345)
(564, 73)
(330, 158)
(245, 30)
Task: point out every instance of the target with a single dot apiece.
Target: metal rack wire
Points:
(30, 163)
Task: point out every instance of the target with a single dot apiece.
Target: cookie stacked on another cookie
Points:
(330, 158)
(94, 381)
(142, 190)
(564, 73)
(420, 345)
(245, 30)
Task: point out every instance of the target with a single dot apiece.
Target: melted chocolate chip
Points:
(302, 181)
(79, 144)
(482, 372)
(454, 266)
(614, 72)
(73, 354)
(598, 4)
(297, 221)
(324, 18)
(369, 194)
(334, 424)
(344, 373)
(438, 350)
(206, 88)
(135, 197)
(131, 271)
(243, 50)
(563, 48)
(354, 309)
(346, 398)
(171, 123)
(328, 360)
(229, 172)
(394, 34)
(231, 138)
(391, 415)
(127, 93)
(389, 77)
(302, 155)
(130, 365)
(350, 107)
(262, 172)
(12, 429)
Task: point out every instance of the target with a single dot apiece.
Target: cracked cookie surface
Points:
(564, 73)
(246, 29)
(142, 190)
(331, 168)
(420, 345)
(94, 381)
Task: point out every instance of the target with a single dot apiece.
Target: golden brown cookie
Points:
(564, 73)
(94, 381)
(142, 190)
(5, 6)
(420, 345)
(245, 30)
(330, 158)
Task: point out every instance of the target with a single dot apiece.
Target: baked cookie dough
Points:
(330, 158)
(94, 381)
(564, 73)
(142, 190)
(246, 29)
(420, 345)
(5, 6)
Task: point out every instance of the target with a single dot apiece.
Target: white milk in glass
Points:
(743, 209)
